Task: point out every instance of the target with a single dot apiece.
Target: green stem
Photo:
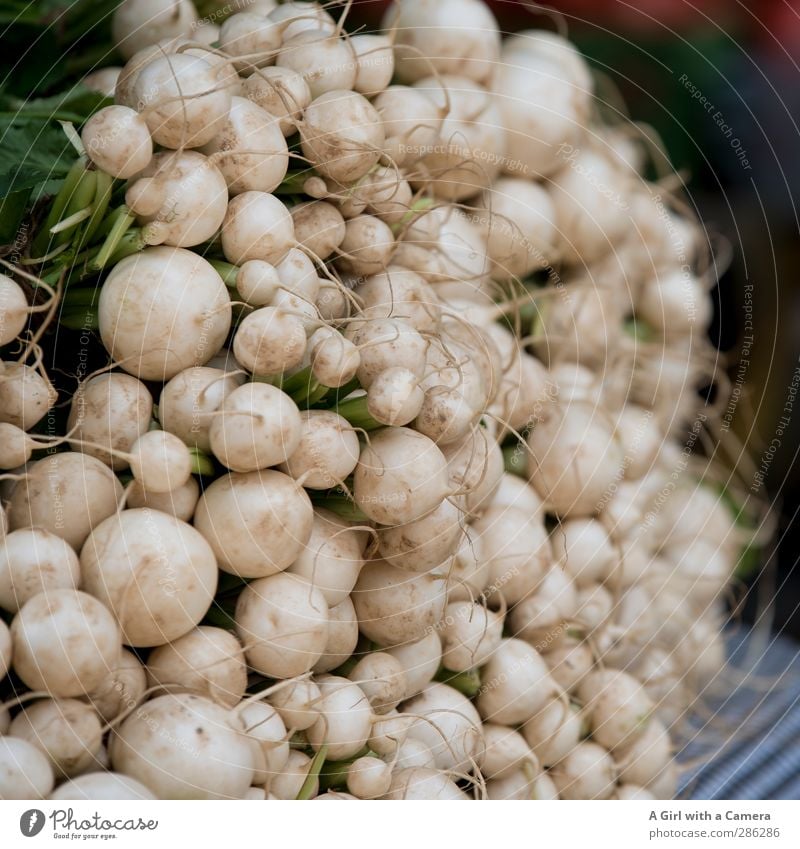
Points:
(202, 464)
(355, 411)
(102, 198)
(226, 270)
(111, 219)
(293, 183)
(341, 506)
(301, 379)
(514, 459)
(71, 221)
(467, 683)
(81, 198)
(131, 243)
(307, 789)
(333, 775)
(119, 229)
(41, 243)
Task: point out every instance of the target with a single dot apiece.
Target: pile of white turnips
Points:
(376, 271)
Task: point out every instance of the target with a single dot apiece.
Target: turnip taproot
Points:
(157, 574)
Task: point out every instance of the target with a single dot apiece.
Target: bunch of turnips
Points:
(388, 483)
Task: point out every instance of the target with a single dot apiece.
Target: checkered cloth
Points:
(746, 744)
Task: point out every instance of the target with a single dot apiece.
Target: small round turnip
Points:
(257, 523)
(332, 558)
(342, 637)
(282, 622)
(208, 661)
(25, 773)
(117, 139)
(182, 313)
(111, 410)
(345, 718)
(66, 494)
(256, 426)
(157, 574)
(66, 730)
(165, 742)
(327, 452)
(395, 606)
(32, 561)
(65, 642)
(101, 786)
(256, 226)
(401, 476)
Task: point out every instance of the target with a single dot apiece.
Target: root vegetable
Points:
(400, 477)
(553, 731)
(66, 730)
(256, 426)
(574, 460)
(256, 523)
(423, 784)
(288, 783)
(617, 705)
(66, 494)
(449, 725)
(318, 227)
(189, 397)
(369, 778)
(588, 772)
(332, 558)
(179, 502)
(366, 247)
(180, 198)
(136, 24)
(263, 724)
(515, 684)
(374, 63)
(182, 313)
(342, 637)
(327, 452)
(326, 62)
(101, 786)
(256, 226)
(117, 140)
(382, 679)
(250, 149)
(345, 718)
(341, 135)
(65, 642)
(25, 395)
(282, 622)
(296, 704)
(394, 606)
(25, 773)
(122, 689)
(160, 462)
(157, 574)
(111, 410)
(279, 91)
(420, 660)
(165, 741)
(207, 661)
(32, 561)
(506, 751)
(470, 635)
(250, 39)
(181, 100)
(421, 545)
(452, 37)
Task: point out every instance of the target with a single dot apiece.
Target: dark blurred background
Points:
(720, 82)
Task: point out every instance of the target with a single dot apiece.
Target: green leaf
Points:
(31, 153)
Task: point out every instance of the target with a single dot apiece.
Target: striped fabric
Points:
(747, 744)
